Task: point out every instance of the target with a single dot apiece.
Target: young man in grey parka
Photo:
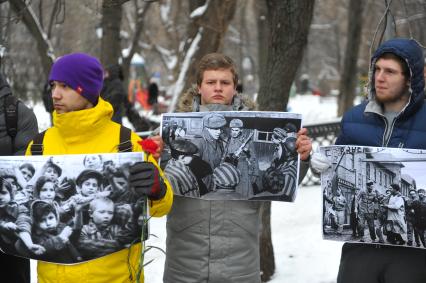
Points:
(216, 241)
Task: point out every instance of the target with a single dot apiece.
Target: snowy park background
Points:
(301, 255)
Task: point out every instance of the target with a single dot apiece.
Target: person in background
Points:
(113, 91)
(27, 128)
(153, 93)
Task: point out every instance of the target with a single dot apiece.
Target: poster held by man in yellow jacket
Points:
(82, 124)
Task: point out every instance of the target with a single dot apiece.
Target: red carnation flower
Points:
(148, 145)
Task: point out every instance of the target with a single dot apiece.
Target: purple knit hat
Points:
(81, 72)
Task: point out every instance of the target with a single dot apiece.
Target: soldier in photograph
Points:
(419, 207)
(211, 145)
(409, 215)
(367, 202)
(382, 215)
(240, 152)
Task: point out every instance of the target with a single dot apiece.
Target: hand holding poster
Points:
(69, 208)
(374, 195)
(232, 155)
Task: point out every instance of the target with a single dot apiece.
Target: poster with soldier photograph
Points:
(231, 155)
(374, 195)
(69, 208)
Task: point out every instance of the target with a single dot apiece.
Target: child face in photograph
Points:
(51, 173)
(12, 182)
(5, 196)
(103, 213)
(29, 190)
(48, 222)
(120, 183)
(89, 187)
(26, 173)
(47, 192)
(92, 161)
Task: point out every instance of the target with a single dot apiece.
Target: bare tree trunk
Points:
(212, 26)
(289, 22)
(30, 20)
(134, 47)
(262, 34)
(205, 34)
(281, 45)
(111, 24)
(267, 260)
(349, 76)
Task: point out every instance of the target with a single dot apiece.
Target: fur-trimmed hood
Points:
(190, 101)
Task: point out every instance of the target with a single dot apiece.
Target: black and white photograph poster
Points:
(69, 208)
(232, 155)
(375, 195)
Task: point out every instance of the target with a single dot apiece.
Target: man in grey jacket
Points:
(216, 241)
(18, 268)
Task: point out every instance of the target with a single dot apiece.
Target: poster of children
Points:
(232, 155)
(375, 195)
(69, 208)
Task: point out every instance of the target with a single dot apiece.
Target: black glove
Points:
(145, 179)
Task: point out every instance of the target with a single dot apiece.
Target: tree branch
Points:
(33, 25)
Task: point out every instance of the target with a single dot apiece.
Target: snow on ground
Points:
(314, 109)
(301, 255)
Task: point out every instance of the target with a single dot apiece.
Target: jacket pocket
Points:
(245, 215)
(187, 213)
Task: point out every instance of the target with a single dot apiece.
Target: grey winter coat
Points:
(212, 241)
(27, 125)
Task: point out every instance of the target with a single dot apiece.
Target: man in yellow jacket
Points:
(82, 124)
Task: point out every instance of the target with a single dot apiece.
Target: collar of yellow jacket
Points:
(86, 123)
